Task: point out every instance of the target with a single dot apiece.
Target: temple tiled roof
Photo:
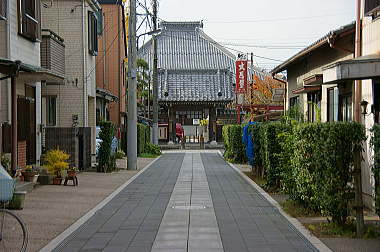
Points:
(195, 67)
(195, 86)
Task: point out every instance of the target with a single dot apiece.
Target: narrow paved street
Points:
(187, 202)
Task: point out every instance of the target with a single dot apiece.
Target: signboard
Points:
(241, 76)
(196, 121)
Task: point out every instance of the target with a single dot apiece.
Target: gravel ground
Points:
(335, 244)
(51, 209)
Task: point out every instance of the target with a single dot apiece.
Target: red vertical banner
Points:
(241, 76)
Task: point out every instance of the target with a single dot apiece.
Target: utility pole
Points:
(358, 152)
(132, 84)
(155, 77)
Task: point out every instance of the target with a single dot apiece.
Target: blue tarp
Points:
(6, 185)
(248, 142)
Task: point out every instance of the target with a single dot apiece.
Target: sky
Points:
(275, 29)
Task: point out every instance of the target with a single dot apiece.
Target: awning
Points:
(107, 95)
(366, 67)
(29, 73)
(306, 89)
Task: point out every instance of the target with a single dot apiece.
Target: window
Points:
(376, 100)
(49, 110)
(3, 9)
(345, 108)
(294, 101)
(92, 33)
(313, 106)
(332, 104)
(371, 7)
(29, 16)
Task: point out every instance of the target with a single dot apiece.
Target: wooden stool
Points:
(73, 178)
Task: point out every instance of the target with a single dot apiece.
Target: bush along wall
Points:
(107, 130)
(233, 144)
(312, 162)
(143, 138)
(323, 166)
(271, 152)
(375, 142)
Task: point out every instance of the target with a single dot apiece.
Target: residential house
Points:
(367, 69)
(69, 110)
(110, 73)
(304, 70)
(21, 80)
(195, 80)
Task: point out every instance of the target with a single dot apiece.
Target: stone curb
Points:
(298, 225)
(76, 225)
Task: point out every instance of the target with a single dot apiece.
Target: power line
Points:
(263, 46)
(276, 19)
(102, 58)
(216, 43)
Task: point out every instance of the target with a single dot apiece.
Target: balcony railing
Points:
(53, 52)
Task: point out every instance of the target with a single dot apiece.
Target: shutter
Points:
(99, 18)
(95, 35)
(371, 6)
(90, 45)
(3, 9)
(38, 18)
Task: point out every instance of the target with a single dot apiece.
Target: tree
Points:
(143, 79)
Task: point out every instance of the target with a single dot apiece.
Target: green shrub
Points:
(152, 149)
(255, 130)
(106, 162)
(322, 166)
(375, 142)
(119, 154)
(143, 137)
(271, 151)
(233, 144)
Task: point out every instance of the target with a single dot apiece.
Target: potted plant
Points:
(72, 171)
(44, 177)
(56, 163)
(30, 174)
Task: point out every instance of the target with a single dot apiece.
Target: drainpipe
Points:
(8, 34)
(358, 153)
(119, 66)
(84, 64)
(14, 124)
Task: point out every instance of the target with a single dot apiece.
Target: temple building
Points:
(196, 80)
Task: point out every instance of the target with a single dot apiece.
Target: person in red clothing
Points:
(179, 132)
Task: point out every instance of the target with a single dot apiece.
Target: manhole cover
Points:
(191, 207)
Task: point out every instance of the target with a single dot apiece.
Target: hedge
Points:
(271, 151)
(323, 165)
(107, 131)
(233, 144)
(143, 137)
(312, 162)
(375, 142)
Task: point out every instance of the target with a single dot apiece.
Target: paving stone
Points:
(246, 220)
(139, 206)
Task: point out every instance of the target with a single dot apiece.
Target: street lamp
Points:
(364, 105)
(147, 33)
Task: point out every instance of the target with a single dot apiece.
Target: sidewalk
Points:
(50, 209)
(187, 201)
(335, 244)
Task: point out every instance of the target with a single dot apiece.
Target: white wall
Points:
(370, 45)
